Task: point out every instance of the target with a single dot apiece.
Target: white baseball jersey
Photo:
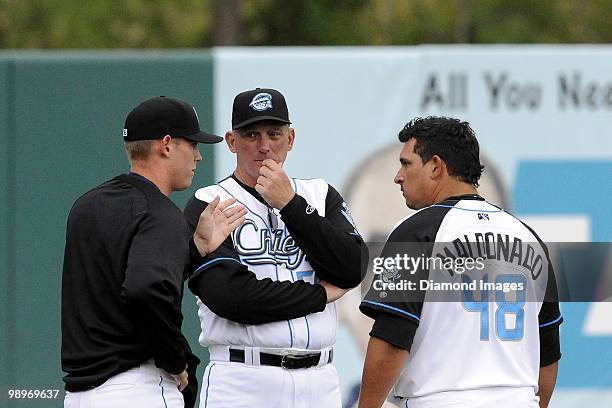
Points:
(270, 252)
(478, 326)
(256, 295)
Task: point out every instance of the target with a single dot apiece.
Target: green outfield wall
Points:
(61, 119)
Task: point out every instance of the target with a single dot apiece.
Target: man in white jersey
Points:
(266, 295)
(474, 322)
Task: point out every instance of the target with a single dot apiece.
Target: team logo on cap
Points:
(261, 102)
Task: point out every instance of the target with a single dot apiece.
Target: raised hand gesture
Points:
(216, 222)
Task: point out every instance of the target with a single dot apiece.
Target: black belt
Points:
(288, 361)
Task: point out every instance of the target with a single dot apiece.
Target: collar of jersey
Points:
(463, 197)
(450, 202)
(143, 178)
(250, 190)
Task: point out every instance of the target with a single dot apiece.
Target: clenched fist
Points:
(274, 185)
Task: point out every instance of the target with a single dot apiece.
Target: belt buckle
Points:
(286, 363)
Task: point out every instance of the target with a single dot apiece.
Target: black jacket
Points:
(126, 251)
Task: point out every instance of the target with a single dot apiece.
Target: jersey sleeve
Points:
(233, 292)
(397, 309)
(382, 297)
(550, 319)
(332, 243)
(394, 330)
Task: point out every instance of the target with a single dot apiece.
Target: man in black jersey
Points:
(469, 348)
(125, 259)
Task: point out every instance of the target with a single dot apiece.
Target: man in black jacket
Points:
(125, 260)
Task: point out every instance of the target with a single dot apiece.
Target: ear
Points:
(291, 138)
(164, 145)
(438, 167)
(230, 139)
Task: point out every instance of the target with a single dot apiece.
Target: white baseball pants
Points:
(233, 385)
(145, 386)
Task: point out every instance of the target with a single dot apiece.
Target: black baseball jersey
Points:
(463, 329)
(122, 284)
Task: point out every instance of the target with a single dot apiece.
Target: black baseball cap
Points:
(160, 116)
(257, 105)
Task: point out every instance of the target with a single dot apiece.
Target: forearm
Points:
(233, 292)
(337, 255)
(341, 261)
(546, 383)
(383, 365)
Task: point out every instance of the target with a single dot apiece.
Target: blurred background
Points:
(534, 78)
(54, 24)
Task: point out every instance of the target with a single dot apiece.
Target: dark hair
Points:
(452, 140)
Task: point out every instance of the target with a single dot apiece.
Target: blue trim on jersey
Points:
(215, 260)
(290, 333)
(292, 277)
(464, 209)
(295, 189)
(294, 185)
(308, 332)
(392, 308)
(208, 385)
(245, 206)
(553, 322)
(270, 229)
(285, 233)
(162, 390)
(276, 268)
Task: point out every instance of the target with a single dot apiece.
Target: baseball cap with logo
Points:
(257, 105)
(160, 116)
